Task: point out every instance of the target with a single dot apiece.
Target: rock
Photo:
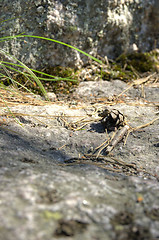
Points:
(51, 96)
(49, 190)
(105, 28)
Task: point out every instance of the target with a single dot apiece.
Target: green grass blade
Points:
(7, 20)
(27, 75)
(52, 40)
(30, 72)
(52, 78)
(16, 83)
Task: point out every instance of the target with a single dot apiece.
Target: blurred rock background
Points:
(105, 28)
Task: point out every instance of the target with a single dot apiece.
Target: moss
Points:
(28, 83)
(69, 76)
(141, 62)
(117, 72)
(105, 75)
(52, 215)
(65, 86)
(60, 71)
(125, 66)
(121, 73)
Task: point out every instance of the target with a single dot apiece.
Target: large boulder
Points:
(105, 28)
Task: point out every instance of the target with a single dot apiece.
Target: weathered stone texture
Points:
(97, 27)
(48, 190)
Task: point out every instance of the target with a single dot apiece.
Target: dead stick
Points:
(118, 137)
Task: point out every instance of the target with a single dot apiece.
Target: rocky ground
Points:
(51, 189)
(105, 28)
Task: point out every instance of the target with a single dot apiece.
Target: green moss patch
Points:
(66, 79)
(141, 62)
(127, 66)
(63, 81)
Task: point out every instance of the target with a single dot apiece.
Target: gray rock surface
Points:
(105, 28)
(47, 193)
